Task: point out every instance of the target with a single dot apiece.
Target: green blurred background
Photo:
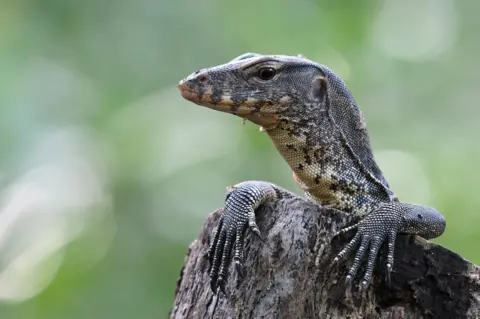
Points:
(107, 174)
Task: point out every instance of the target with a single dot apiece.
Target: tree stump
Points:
(292, 276)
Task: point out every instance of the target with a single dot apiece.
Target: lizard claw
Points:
(348, 281)
(238, 258)
(389, 264)
(257, 232)
(363, 287)
(240, 270)
(221, 285)
(388, 276)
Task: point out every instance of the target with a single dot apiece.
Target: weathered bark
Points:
(282, 279)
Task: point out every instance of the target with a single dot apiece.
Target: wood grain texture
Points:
(292, 276)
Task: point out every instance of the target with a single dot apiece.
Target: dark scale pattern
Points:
(384, 224)
(238, 215)
(316, 125)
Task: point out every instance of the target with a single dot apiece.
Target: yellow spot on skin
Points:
(226, 100)
(284, 99)
(264, 129)
(208, 92)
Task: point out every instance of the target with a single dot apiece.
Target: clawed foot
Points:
(238, 216)
(228, 239)
(379, 226)
(383, 224)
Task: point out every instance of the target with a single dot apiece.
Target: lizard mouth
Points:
(206, 99)
(221, 103)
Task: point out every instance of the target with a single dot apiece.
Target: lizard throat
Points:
(323, 170)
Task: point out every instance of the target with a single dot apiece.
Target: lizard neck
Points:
(325, 168)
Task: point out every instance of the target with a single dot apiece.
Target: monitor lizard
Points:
(314, 122)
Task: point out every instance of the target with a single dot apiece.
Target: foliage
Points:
(107, 174)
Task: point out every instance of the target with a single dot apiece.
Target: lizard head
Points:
(264, 89)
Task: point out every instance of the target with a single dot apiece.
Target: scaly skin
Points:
(315, 124)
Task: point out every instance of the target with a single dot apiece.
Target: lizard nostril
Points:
(202, 78)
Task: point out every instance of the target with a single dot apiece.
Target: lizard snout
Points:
(197, 89)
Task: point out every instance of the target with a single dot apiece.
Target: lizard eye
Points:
(266, 73)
